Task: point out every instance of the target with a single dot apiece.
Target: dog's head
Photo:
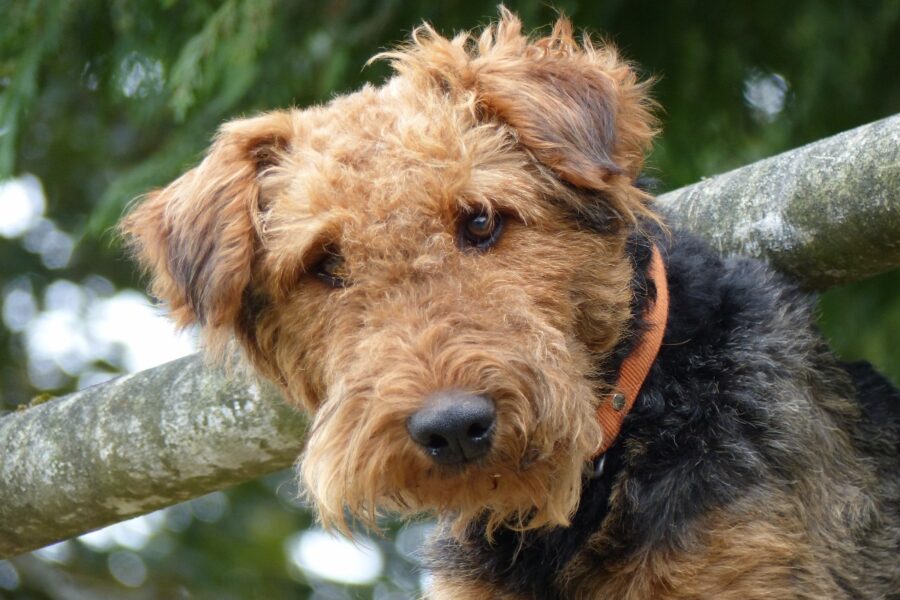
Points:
(435, 268)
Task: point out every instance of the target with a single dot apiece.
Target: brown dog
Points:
(458, 276)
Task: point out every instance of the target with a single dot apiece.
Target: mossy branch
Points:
(827, 213)
(136, 444)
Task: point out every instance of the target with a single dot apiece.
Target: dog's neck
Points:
(636, 365)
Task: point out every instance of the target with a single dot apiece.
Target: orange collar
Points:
(616, 405)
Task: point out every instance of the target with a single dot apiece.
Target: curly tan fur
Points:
(501, 123)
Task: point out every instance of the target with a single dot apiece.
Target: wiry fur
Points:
(744, 466)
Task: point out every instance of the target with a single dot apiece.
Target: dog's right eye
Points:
(330, 269)
(480, 230)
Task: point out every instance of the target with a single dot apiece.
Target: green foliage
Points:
(104, 100)
(221, 56)
(46, 21)
(863, 321)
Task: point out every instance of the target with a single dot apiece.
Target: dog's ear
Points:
(577, 107)
(198, 236)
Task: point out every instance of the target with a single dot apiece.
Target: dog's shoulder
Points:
(729, 295)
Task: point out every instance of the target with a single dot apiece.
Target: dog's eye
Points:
(480, 230)
(331, 269)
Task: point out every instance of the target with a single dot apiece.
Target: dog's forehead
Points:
(393, 120)
(396, 154)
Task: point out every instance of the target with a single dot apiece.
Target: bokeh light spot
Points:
(9, 576)
(322, 555)
(22, 204)
(209, 508)
(127, 567)
(765, 94)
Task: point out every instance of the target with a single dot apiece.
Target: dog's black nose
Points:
(454, 427)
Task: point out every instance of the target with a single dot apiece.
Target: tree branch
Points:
(136, 444)
(828, 212)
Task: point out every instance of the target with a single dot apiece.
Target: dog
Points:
(460, 277)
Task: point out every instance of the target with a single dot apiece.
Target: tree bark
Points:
(828, 213)
(136, 444)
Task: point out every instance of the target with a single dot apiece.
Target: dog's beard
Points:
(361, 463)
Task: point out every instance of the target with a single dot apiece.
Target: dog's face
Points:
(435, 268)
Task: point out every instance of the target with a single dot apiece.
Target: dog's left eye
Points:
(480, 230)
(331, 269)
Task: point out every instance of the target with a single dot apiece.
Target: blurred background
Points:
(101, 101)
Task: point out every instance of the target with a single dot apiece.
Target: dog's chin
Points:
(484, 497)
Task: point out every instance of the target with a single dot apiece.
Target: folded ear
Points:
(578, 108)
(198, 236)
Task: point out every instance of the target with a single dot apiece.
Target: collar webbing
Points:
(616, 405)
